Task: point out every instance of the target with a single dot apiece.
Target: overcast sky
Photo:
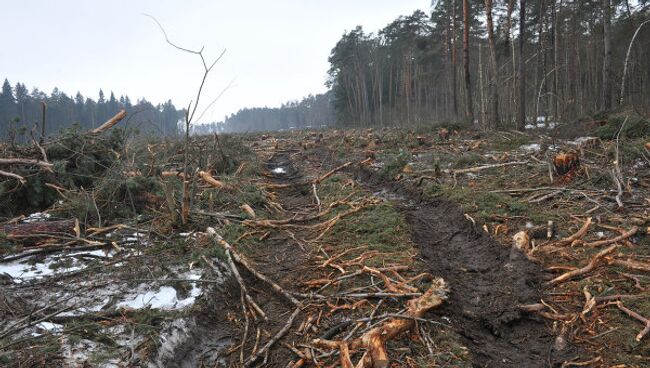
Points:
(276, 49)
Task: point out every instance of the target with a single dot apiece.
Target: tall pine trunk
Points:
(607, 57)
(521, 113)
(494, 78)
(469, 109)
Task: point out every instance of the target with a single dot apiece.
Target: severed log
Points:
(595, 262)
(212, 181)
(374, 341)
(34, 229)
(110, 123)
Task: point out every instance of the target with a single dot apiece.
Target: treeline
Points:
(499, 63)
(21, 110)
(312, 112)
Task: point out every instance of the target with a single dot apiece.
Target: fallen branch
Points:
(623, 236)
(274, 339)
(595, 262)
(25, 161)
(484, 167)
(7, 174)
(638, 317)
(241, 260)
(374, 341)
(212, 181)
(331, 172)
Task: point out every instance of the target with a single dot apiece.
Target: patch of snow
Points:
(20, 271)
(529, 225)
(600, 235)
(279, 170)
(165, 297)
(37, 217)
(533, 147)
(50, 327)
(580, 141)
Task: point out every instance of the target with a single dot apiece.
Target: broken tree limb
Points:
(374, 341)
(623, 236)
(274, 339)
(212, 181)
(25, 161)
(241, 260)
(110, 122)
(638, 317)
(576, 236)
(240, 281)
(595, 262)
(484, 167)
(635, 265)
(21, 179)
(332, 172)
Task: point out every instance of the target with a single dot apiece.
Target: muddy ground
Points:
(350, 225)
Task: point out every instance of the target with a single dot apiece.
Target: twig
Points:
(623, 236)
(274, 339)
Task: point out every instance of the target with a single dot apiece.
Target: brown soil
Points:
(487, 282)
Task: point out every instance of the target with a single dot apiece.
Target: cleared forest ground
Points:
(300, 243)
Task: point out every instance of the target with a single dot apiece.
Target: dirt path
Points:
(487, 282)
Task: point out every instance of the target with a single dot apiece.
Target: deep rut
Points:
(487, 281)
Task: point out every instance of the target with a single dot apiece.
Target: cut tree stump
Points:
(566, 162)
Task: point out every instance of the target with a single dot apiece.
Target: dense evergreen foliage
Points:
(465, 61)
(21, 110)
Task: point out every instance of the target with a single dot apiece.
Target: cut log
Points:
(110, 123)
(210, 180)
(33, 229)
(565, 162)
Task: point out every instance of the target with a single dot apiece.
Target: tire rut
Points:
(487, 280)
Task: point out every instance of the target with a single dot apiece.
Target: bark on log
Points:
(18, 231)
(110, 123)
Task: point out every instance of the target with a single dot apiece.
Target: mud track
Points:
(487, 281)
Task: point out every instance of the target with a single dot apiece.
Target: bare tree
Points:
(189, 116)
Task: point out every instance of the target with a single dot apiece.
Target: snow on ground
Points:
(279, 170)
(164, 297)
(534, 147)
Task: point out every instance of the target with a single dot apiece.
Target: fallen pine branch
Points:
(7, 174)
(374, 341)
(638, 317)
(623, 236)
(595, 262)
(25, 161)
(484, 167)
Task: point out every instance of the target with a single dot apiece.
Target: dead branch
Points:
(595, 262)
(21, 179)
(374, 341)
(274, 339)
(109, 123)
(25, 161)
(577, 236)
(241, 260)
(623, 236)
(484, 167)
(638, 317)
(635, 265)
(332, 172)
